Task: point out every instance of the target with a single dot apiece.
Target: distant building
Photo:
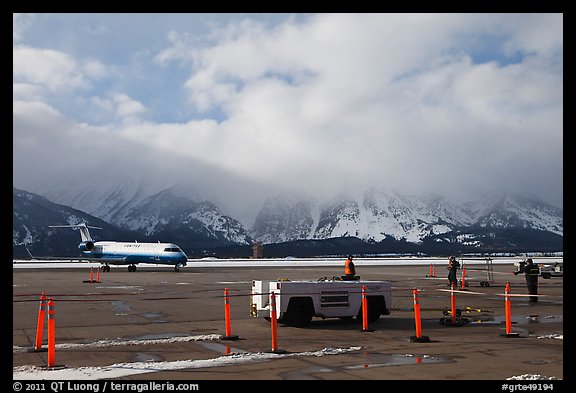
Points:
(257, 250)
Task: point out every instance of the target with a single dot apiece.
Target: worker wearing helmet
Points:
(349, 269)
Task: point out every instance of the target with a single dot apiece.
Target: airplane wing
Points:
(110, 261)
(36, 258)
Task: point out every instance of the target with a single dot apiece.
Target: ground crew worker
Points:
(349, 269)
(453, 266)
(531, 271)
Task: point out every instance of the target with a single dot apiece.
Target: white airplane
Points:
(124, 253)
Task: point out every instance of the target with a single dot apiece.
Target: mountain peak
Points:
(374, 216)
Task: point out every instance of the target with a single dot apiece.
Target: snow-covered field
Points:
(288, 262)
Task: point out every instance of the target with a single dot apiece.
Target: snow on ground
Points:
(286, 262)
(554, 336)
(119, 342)
(531, 377)
(125, 369)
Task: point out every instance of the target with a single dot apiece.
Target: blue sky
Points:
(447, 103)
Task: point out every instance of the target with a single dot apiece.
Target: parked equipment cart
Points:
(297, 302)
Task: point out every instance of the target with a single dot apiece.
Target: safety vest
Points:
(534, 270)
(347, 270)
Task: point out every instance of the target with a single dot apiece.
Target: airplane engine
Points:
(86, 246)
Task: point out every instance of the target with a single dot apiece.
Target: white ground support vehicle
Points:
(554, 270)
(297, 302)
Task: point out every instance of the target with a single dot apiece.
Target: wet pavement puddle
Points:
(131, 287)
(538, 362)
(374, 359)
(220, 348)
(120, 307)
(517, 319)
(146, 357)
(154, 316)
(368, 360)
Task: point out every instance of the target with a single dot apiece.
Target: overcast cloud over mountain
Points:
(235, 108)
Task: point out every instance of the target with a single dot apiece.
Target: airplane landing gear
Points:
(106, 268)
(176, 269)
(132, 268)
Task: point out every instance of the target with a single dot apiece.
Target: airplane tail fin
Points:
(84, 232)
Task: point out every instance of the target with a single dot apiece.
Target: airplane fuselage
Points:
(133, 253)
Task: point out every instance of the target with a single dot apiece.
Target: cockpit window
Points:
(172, 249)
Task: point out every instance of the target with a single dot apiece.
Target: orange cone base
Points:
(39, 350)
(368, 330)
(278, 351)
(458, 321)
(421, 339)
(512, 335)
(230, 338)
(91, 282)
(55, 367)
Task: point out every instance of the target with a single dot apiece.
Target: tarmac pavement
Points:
(155, 315)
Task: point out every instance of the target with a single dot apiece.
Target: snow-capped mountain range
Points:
(373, 216)
(380, 214)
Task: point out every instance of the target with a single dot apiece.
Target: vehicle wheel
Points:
(546, 275)
(374, 310)
(299, 312)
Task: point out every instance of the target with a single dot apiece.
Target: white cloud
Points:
(541, 34)
(350, 99)
(127, 107)
(25, 91)
(61, 80)
(116, 106)
(51, 69)
(95, 69)
(366, 95)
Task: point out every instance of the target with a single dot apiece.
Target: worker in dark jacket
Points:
(349, 269)
(532, 271)
(453, 266)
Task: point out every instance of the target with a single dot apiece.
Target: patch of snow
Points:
(119, 342)
(554, 336)
(531, 377)
(125, 369)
